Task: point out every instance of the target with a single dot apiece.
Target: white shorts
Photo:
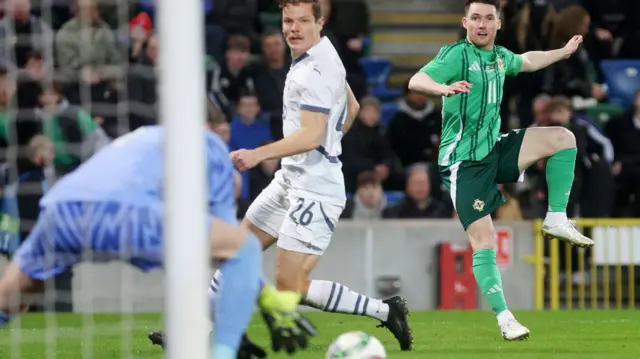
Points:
(300, 224)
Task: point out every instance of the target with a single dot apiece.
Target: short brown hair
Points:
(214, 115)
(239, 43)
(315, 6)
(559, 103)
(495, 3)
(370, 101)
(37, 144)
(367, 178)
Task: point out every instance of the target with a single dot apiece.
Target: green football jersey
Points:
(471, 122)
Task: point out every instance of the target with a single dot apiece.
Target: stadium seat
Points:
(623, 79)
(387, 111)
(394, 197)
(377, 71)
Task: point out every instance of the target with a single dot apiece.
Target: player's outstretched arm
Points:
(353, 108)
(313, 125)
(537, 60)
(423, 83)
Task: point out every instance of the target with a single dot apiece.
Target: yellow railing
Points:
(597, 278)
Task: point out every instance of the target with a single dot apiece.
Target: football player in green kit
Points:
(474, 157)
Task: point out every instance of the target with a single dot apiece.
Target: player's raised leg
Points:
(485, 269)
(558, 145)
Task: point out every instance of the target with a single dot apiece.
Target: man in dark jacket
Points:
(414, 132)
(624, 132)
(418, 202)
(365, 148)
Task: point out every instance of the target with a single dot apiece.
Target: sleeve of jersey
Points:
(316, 94)
(513, 62)
(445, 67)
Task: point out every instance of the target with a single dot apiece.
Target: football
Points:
(356, 345)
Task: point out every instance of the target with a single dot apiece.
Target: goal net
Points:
(74, 75)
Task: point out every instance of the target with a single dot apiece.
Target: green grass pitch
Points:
(606, 334)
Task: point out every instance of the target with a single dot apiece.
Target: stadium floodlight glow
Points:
(182, 112)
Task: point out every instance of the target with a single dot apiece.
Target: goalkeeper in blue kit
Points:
(113, 206)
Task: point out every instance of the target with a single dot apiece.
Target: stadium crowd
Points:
(78, 73)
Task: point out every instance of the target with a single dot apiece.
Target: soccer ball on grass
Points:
(356, 345)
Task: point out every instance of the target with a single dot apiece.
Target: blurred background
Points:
(75, 74)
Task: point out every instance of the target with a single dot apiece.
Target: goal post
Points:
(182, 111)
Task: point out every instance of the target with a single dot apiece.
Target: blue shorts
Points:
(69, 232)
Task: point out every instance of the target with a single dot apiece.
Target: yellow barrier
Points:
(598, 278)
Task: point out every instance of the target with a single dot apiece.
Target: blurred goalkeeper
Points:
(112, 206)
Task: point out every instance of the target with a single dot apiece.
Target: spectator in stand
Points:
(261, 175)
(229, 79)
(140, 31)
(414, 132)
(540, 110)
(576, 76)
(418, 202)
(248, 129)
(34, 71)
(269, 77)
(630, 32)
(7, 92)
(369, 201)
(236, 17)
(21, 33)
(624, 132)
(142, 91)
(217, 122)
(75, 134)
(366, 148)
(346, 25)
(89, 60)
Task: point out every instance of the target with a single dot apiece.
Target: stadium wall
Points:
(359, 255)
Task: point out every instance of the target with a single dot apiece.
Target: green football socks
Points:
(488, 278)
(560, 174)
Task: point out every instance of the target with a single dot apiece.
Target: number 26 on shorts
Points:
(302, 213)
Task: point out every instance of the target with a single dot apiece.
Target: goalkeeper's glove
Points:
(250, 350)
(289, 329)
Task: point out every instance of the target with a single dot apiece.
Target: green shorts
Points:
(473, 185)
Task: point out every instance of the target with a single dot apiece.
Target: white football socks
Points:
(554, 218)
(335, 297)
(329, 297)
(504, 317)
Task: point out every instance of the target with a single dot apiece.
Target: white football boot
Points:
(567, 231)
(513, 330)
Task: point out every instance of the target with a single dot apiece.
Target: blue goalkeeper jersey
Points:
(130, 170)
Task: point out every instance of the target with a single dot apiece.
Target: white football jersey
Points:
(316, 82)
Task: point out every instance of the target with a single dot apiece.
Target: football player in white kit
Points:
(300, 208)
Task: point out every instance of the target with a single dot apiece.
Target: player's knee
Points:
(561, 138)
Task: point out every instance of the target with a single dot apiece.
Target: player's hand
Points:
(250, 350)
(244, 159)
(572, 45)
(289, 330)
(456, 88)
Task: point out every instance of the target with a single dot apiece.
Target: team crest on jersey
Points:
(478, 205)
(500, 64)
